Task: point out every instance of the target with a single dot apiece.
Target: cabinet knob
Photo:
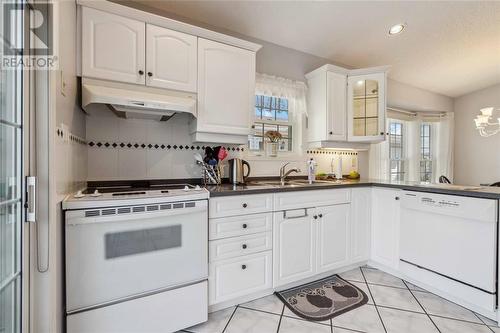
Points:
(150, 74)
(244, 246)
(331, 133)
(141, 72)
(243, 266)
(244, 225)
(320, 215)
(396, 198)
(381, 133)
(245, 205)
(315, 217)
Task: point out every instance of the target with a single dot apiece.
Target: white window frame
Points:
(403, 160)
(291, 122)
(430, 159)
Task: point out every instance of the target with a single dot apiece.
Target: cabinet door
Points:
(333, 237)
(226, 88)
(385, 227)
(294, 245)
(366, 108)
(360, 224)
(336, 106)
(171, 59)
(113, 47)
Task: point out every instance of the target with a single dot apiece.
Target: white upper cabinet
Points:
(336, 106)
(226, 92)
(366, 107)
(171, 59)
(326, 104)
(346, 106)
(113, 47)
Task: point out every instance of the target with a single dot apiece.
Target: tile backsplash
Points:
(136, 149)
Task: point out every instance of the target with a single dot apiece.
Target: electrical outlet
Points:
(63, 83)
(65, 132)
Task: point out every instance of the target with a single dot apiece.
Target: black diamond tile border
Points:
(158, 146)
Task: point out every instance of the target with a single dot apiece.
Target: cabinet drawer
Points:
(239, 225)
(240, 276)
(238, 246)
(240, 205)
(315, 198)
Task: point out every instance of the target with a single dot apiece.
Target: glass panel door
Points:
(10, 183)
(366, 107)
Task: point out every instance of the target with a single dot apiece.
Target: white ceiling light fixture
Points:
(483, 124)
(397, 29)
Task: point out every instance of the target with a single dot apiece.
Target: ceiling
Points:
(451, 48)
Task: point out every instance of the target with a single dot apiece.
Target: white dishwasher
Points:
(454, 240)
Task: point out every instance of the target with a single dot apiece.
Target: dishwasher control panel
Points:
(438, 202)
(478, 209)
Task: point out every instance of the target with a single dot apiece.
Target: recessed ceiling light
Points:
(396, 29)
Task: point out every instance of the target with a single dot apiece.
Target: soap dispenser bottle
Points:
(311, 170)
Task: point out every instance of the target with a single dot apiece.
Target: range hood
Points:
(133, 101)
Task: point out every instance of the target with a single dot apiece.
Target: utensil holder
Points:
(211, 174)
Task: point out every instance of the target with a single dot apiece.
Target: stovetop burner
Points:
(137, 190)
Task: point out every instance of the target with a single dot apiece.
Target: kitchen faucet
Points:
(284, 174)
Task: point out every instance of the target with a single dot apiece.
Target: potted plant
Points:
(272, 146)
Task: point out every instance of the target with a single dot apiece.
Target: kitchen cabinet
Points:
(171, 59)
(327, 105)
(113, 47)
(121, 49)
(240, 276)
(226, 93)
(346, 106)
(240, 248)
(333, 237)
(360, 224)
(366, 107)
(310, 241)
(385, 226)
(294, 245)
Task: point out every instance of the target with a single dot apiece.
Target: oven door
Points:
(113, 254)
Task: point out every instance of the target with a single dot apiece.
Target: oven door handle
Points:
(115, 218)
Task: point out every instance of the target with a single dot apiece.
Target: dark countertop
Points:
(259, 187)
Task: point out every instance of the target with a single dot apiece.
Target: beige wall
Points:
(477, 159)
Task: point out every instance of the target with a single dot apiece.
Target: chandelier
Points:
(483, 124)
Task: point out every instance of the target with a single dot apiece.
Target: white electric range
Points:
(136, 258)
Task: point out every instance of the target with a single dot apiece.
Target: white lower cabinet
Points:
(294, 245)
(360, 224)
(333, 231)
(310, 241)
(240, 248)
(240, 276)
(385, 226)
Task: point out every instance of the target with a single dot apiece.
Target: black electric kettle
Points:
(236, 175)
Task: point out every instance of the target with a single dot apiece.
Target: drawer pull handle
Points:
(244, 226)
(244, 246)
(243, 266)
(294, 217)
(245, 205)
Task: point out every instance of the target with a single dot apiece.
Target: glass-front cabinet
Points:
(366, 107)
